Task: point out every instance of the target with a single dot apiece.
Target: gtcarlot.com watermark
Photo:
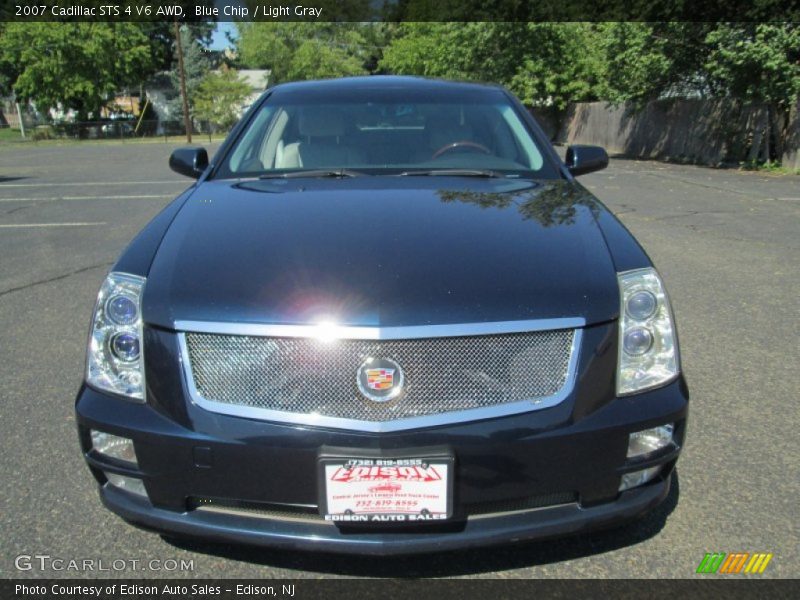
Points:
(58, 564)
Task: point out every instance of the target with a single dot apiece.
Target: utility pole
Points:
(182, 76)
(21, 122)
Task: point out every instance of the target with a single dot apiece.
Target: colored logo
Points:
(380, 379)
(734, 563)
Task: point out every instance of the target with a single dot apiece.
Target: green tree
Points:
(759, 63)
(562, 63)
(196, 66)
(75, 65)
(749, 62)
(644, 61)
(220, 97)
(297, 51)
(544, 63)
(756, 62)
(433, 50)
(8, 70)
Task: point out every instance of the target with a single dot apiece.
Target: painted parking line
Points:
(35, 225)
(85, 183)
(59, 198)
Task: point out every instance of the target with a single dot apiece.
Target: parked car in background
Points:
(117, 128)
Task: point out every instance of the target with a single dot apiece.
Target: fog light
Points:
(631, 480)
(641, 443)
(129, 484)
(114, 446)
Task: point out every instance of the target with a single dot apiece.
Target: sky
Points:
(219, 41)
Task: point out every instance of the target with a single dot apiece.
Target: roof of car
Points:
(383, 83)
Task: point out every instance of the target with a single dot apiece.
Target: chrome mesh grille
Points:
(442, 375)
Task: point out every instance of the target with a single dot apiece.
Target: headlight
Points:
(648, 351)
(114, 361)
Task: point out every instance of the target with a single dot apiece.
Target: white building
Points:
(159, 93)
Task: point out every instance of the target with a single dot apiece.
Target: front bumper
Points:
(568, 451)
(568, 519)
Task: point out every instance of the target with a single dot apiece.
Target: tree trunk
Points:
(779, 122)
(762, 120)
(791, 140)
(187, 123)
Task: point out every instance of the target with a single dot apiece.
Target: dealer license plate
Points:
(387, 490)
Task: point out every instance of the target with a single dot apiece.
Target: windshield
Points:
(386, 136)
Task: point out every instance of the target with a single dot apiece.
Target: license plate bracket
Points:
(414, 488)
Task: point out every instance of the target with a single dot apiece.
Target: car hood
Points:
(383, 252)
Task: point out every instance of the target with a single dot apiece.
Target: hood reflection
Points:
(549, 205)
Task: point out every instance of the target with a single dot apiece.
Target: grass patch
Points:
(7, 134)
(771, 167)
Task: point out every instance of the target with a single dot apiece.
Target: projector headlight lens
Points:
(115, 361)
(637, 341)
(648, 350)
(122, 310)
(125, 346)
(641, 305)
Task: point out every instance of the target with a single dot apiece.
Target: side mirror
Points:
(586, 159)
(189, 161)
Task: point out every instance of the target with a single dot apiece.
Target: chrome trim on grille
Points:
(273, 512)
(309, 513)
(517, 507)
(346, 332)
(392, 333)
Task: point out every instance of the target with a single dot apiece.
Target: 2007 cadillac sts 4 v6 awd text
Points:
(386, 319)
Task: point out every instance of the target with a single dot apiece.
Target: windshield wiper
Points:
(338, 173)
(452, 173)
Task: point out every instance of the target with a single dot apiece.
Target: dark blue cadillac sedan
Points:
(386, 319)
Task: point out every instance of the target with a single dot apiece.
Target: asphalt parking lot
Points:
(727, 244)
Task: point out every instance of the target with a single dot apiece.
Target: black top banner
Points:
(402, 10)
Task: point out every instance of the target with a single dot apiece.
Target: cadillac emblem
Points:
(380, 379)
